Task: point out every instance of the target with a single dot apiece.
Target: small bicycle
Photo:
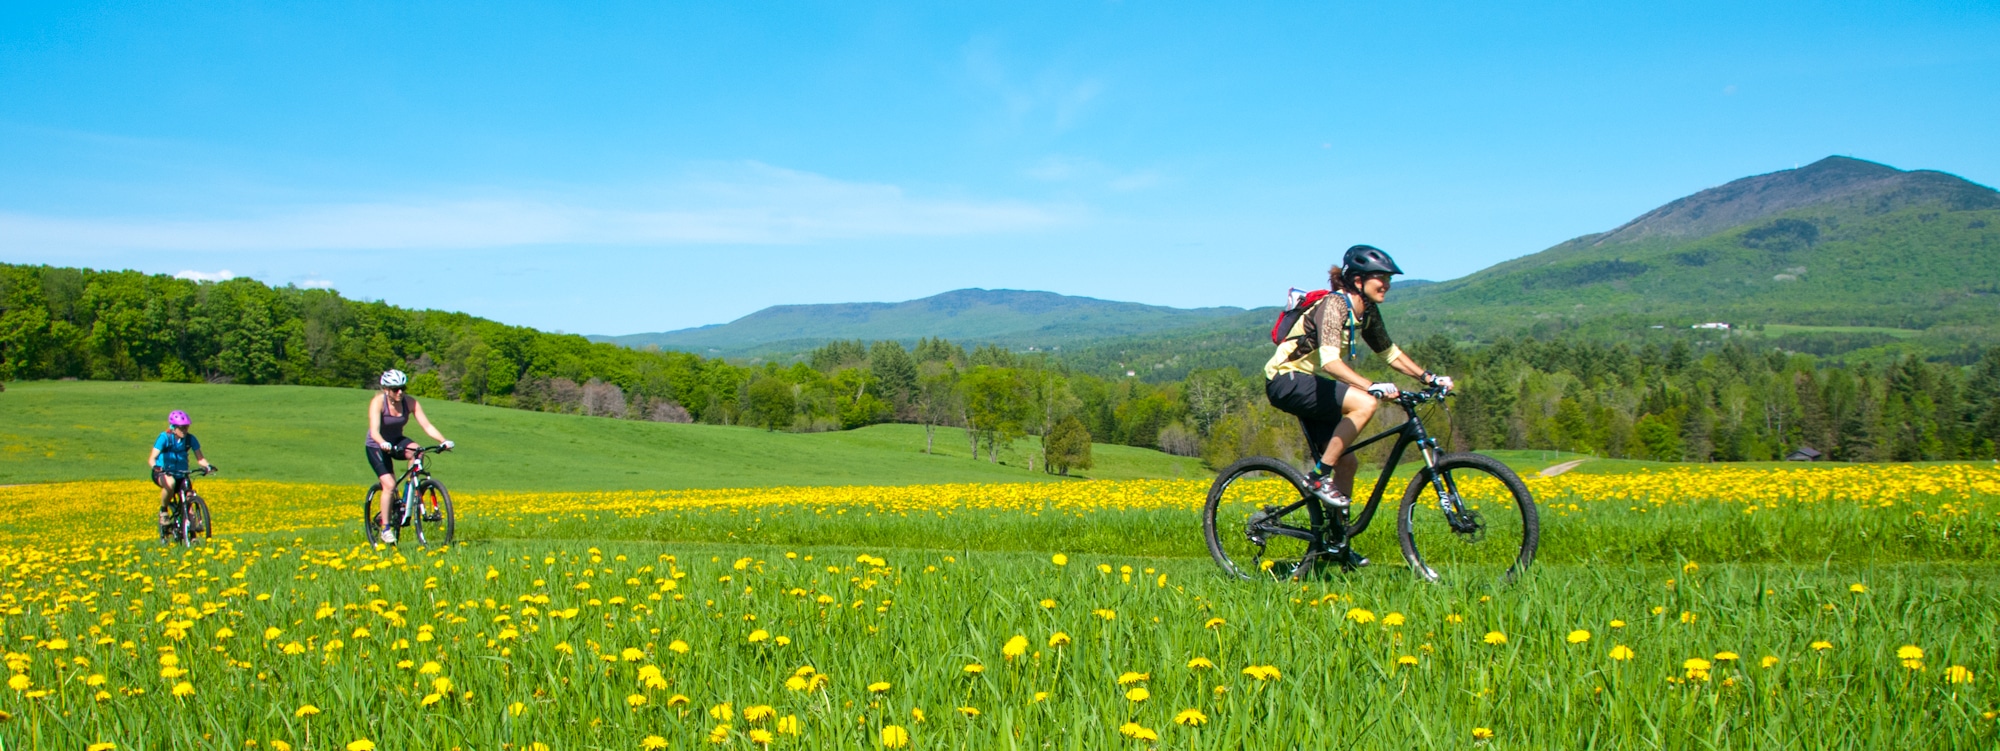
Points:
(187, 519)
(421, 502)
(1463, 513)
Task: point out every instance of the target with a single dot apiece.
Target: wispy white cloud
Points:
(317, 284)
(742, 204)
(1050, 95)
(206, 276)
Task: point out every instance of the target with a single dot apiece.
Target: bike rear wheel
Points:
(1471, 519)
(1259, 522)
(433, 516)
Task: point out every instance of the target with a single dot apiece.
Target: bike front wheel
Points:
(434, 520)
(199, 525)
(1468, 519)
(1259, 522)
(371, 516)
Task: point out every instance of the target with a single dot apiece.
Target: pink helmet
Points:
(178, 417)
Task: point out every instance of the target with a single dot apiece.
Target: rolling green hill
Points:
(1838, 243)
(972, 316)
(76, 430)
(1840, 257)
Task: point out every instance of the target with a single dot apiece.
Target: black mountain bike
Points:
(187, 519)
(421, 502)
(1464, 514)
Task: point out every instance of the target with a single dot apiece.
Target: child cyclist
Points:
(170, 454)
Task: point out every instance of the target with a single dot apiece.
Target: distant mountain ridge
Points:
(1028, 318)
(1842, 253)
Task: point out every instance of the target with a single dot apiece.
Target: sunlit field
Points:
(1848, 607)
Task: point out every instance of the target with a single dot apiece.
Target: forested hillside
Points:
(1680, 398)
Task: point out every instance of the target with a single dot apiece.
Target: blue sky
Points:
(616, 168)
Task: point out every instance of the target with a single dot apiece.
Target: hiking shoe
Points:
(1323, 487)
(388, 536)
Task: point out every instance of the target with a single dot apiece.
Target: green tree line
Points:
(1684, 402)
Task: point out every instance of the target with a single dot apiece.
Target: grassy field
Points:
(1714, 607)
(76, 430)
(980, 617)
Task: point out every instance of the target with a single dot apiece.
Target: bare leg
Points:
(166, 493)
(1358, 408)
(388, 489)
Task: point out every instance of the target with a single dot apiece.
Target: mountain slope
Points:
(1013, 317)
(1840, 242)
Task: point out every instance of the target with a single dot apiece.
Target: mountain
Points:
(1043, 320)
(1838, 247)
(1839, 256)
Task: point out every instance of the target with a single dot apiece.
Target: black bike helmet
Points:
(1367, 259)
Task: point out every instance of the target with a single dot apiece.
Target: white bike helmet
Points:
(393, 378)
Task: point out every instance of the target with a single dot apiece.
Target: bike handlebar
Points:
(1413, 398)
(185, 473)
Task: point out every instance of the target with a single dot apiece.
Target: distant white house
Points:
(1711, 325)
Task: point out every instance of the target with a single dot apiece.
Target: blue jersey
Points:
(174, 451)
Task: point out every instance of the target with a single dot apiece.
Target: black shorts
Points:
(383, 462)
(1315, 401)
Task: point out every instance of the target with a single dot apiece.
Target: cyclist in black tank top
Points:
(388, 414)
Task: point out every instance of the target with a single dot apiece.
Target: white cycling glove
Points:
(448, 445)
(1384, 390)
(1443, 382)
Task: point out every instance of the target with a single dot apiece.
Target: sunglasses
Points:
(397, 389)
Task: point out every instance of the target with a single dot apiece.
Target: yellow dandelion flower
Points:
(760, 736)
(101, 746)
(1486, 734)
(1129, 678)
(1360, 616)
(975, 669)
(1615, 623)
(878, 687)
(1138, 694)
(1578, 636)
(1200, 663)
(1190, 717)
(1909, 652)
(635, 701)
(1768, 661)
(1494, 638)
(1058, 639)
(1822, 646)
(1726, 656)
(677, 647)
(1957, 674)
(183, 688)
(1015, 647)
(430, 700)
(1407, 660)
(1857, 588)
(1047, 603)
(1136, 731)
(361, 745)
(653, 743)
(1213, 623)
(724, 711)
(759, 713)
(758, 636)
(1392, 619)
(894, 736)
(1621, 653)
(789, 725)
(1059, 559)
(305, 710)
(969, 711)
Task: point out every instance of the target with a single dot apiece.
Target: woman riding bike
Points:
(388, 413)
(170, 454)
(1309, 376)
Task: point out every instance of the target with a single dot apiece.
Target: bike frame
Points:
(183, 488)
(1341, 530)
(406, 487)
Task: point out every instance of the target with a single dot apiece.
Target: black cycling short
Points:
(383, 462)
(1315, 401)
